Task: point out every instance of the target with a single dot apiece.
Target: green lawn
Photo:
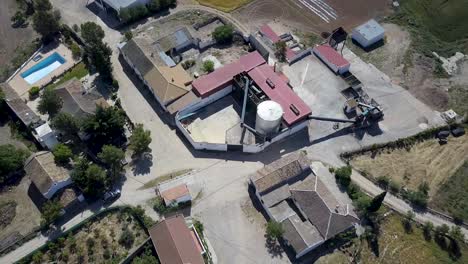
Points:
(79, 71)
(436, 25)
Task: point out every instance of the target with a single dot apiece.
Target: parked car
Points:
(111, 195)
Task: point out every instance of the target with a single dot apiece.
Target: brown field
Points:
(294, 14)
(23, 219)
(223, 5)
(426, 161)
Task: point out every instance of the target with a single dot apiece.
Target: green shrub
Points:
(34, 92)
(188, 64)
(394, 187)
(223, 34)
(383, 181)
(128, 35)
(76, 50)
(76, 28)
(62, 154)
(127, 238)
(274, 230)
(343, 175)
(208, 66)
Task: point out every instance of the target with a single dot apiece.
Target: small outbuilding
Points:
(176, 195)
(332, 58)
(368, 33)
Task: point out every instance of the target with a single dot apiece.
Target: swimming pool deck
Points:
(22, 87)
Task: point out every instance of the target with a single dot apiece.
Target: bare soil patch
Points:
(26, 218)
(7, 213)
(427, 161)
(11, 39)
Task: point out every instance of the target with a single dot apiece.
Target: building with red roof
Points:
(268, 33)
(221, 78)
(332, 58)
(274, 86)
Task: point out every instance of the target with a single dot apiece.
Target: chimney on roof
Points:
(337, 207)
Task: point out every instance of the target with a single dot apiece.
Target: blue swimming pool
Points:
(43, 68)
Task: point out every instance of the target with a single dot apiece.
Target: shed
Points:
(333, 59)
(176, 195)
(368, 33)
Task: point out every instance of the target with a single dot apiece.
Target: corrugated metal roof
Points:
(331, 55)
(269, 33)
(217, 80)
(294, 108)
(370, 29)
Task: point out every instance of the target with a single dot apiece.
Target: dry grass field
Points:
(223, 5)
(397, 246)
(426, 161)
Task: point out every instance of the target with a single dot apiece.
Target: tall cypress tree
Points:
(376, 202)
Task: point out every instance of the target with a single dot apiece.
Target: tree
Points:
(62, 154)
(274, 230)
(428, 227)
(280, 50)
(343, 175)
(99, 52)
(154, 5)
(376, 202)
(208, 66)
(11, 160)
(146, 258)
(112, 157)
(128, 35)
(442, 230)
(408, 221)
(37, 257)
(140, 140)
(90, 178)
(223, 34)
(105, 126)
(127, 238)
(50, 103)
(92, 33)
(67, 124)
(46, 23)
(42, 5)
(50, 212)
(76, 50)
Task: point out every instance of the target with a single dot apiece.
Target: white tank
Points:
(269, 115)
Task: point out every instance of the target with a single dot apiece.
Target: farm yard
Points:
(108, 237)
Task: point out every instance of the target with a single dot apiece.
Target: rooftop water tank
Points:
(269, 116)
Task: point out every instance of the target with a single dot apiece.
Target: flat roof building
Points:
(368, 33)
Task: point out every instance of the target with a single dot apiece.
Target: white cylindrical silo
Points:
(269, 116)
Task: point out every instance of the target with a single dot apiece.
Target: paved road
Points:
(171, 153)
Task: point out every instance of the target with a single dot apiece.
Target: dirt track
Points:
(328, 15)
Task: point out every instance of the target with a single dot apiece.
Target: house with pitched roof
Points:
(166, 83)
(45, 174)
(78, 101)
(293, 195)
(176, 243)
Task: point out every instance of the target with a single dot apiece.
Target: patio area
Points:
(51, 61)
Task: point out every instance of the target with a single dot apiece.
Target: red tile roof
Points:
(220, 78)
(269, 33)
(290, 53)
(331, 55)
(174, 243)
(294, 108)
